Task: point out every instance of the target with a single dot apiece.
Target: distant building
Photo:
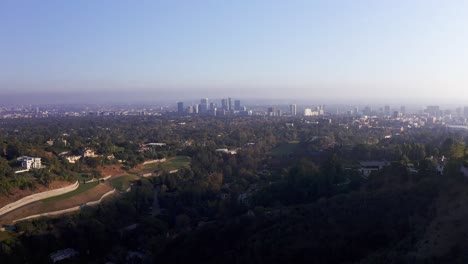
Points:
(224, 104)
(190, 109)
(271, 111)
(203, 107)
(307, 112)
(212, 111)
(387, 110)
(229, 104)
(180, 107)
(403, 110)
(30, 162)
(293, 109)
(245, 113)
(237, 105)
(433, 110)
(465, 111)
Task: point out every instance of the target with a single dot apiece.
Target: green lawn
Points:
(81, 189)
(173, 163)
(123, 182)
(285, 149)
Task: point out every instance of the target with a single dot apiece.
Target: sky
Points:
(335, 50)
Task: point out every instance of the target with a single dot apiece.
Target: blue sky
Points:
(340, 50)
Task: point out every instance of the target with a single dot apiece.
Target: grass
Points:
(81, 189)
(123, 182)
(285, 149)
(5, 236)
(173, 163)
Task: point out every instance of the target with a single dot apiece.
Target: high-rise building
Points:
(271, 111)
(433, 110)
(387, 110)
(237, 105)
(180, 107)
(465, 111)
(402, 110)
(229, 106)
(203, 107)
(293, 109)
(224, 104)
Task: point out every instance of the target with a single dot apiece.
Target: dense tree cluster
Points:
(309, 204)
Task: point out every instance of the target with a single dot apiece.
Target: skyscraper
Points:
(237, 105)
(203, 107)
(180, 107)
(229, 106)
(293, 109)
(387, 110)
(224, 104)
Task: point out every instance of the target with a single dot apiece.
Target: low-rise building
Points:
(367, 167)
(30, 162)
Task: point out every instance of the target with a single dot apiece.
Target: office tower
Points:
(203, 107)
(433, 110)
(271, 111)
(293, 109)
(387, 110)
(402, 110)
(212, 111)
(356, 110)
(367, 110)
(224, 104)
(458, 110)
(229, 106)
(212, 106)
(237, 105)
(180, 107)
(195, 109)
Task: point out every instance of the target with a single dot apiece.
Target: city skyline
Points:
(331, 51)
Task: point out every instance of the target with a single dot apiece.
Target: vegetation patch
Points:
(285, 149)
(173, 163)
(123, 182)
(81, 189)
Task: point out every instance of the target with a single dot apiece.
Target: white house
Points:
(30, 162)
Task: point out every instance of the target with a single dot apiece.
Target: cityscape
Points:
(415, 116)
(233, 132)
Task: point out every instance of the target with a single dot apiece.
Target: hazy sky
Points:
(360, 50)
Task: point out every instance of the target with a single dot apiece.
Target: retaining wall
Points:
(73, 209)
(36, 197)
(154, 161)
